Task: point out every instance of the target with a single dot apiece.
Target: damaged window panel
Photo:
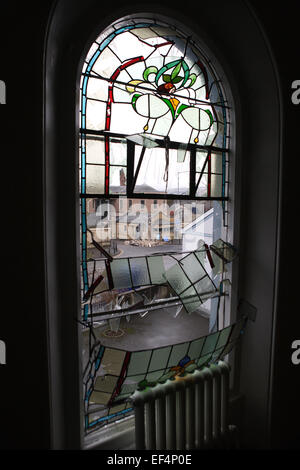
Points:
(113, 375)
(155, 239)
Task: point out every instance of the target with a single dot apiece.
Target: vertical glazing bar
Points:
(192, 172)
(130, 166)
(223, 153)
(209, 175)
(107, 161)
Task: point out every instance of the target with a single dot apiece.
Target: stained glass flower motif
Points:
(148, 78)
(156, 96)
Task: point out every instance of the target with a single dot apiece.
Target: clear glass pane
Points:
(106, 64)
(228, 348)
(192, 267)
(144, 140)
(125, 120)
(210, 343)
(177, 279)
(224, 335)
(219, 265)
(154, 376)
(118, 152)
(159, 359)
(97, 89)
(139, 272)
(95, 115)
(95, 151)
(202, 187)
(216, 163)
(128, 387)
(95, 179)
(117, 179)
(217, 355)
(105, 383)
(112, 361)
(190, 299)
(224, 250)
(216, 186)
(162, 125)
(156, 175)
(196, 348)
(101, 398)
(120, 273)
(200, 160)
(205, 286)
(204, 360)
(178, 353)
(157, 269)
(139, 362)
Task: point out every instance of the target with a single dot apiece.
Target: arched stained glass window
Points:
(147, 83)
(155, 237)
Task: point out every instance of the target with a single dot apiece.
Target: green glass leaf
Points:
(176, 71)
(148, 71)
(193, 78)
(186, 72)
(177, 79)
(166, 78)
(181, 108)
(134, 98)
(164, 69)
(210, 115)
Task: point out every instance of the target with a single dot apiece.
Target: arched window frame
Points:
(57, 184)
(215, 144)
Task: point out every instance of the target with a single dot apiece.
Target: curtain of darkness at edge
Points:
(24, 402)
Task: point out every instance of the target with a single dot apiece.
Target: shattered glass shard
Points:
(224, 250)
(190, 300)
(143, 139)
(177, 279)
(192, 267)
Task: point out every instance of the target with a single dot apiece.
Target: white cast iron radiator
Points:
(190, 412)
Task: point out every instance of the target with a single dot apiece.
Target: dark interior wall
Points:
(24, 407)
(280, 24)
(24, 400)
